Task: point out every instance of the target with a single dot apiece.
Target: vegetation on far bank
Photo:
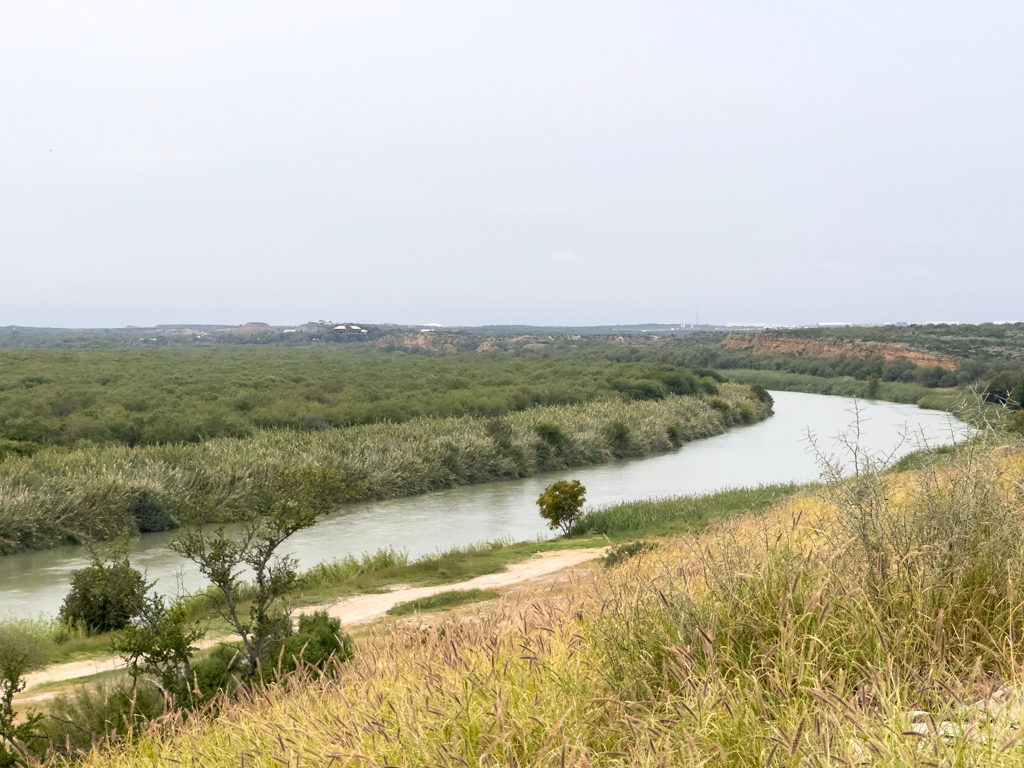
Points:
(95, 492)
(153, 397)
(845, 386)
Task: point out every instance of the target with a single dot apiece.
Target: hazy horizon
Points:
(509, 164)
(438, 326)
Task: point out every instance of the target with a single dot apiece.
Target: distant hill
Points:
(248, 328)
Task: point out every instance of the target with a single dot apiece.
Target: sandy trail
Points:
(365, 608)
(360, 609)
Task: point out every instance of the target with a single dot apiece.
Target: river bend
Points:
(772, 451)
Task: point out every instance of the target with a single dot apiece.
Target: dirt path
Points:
(360, 609)
(365, 608)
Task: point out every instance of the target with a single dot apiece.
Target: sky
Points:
(472, 163)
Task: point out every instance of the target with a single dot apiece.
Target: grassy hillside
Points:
(876, 621)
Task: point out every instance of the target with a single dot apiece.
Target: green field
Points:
(150, 397)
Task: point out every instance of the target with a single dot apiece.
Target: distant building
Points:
(349, 328)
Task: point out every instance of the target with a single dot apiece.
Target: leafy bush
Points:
(617, 435)
(160, 642)
(105, 595)
(150, 513)
(1016, 396)
(723, 408)
(551, 433)
(999, 388)
(219, 670)
(561, 504)
(318, 641)
(762, 394)
(675, 435)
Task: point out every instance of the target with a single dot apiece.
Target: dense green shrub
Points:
(318, 641)
(150, 513)
(675, 435)
(723, 408)
(1016, 396)
(552, 434)
(219, 670)
(105, 595)
(762, 394)
(561, 504)
(999, 388)
(617, 435)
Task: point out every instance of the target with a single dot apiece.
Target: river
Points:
(772, 451)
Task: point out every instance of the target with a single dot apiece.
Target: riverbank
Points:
(328, 583)
(846, 386)
(62, 497)
(770, 452)
(352, 611)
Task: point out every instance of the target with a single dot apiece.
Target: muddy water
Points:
(772, 451)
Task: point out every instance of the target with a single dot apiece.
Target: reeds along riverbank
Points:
(775, 639)
(59, 496)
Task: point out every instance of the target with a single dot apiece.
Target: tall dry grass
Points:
(58, 496)
(775, 639)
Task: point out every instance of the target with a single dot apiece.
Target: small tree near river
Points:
(561, 504)
(161, 640)
(296, 498)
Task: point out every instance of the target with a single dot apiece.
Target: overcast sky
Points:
(510, 162)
